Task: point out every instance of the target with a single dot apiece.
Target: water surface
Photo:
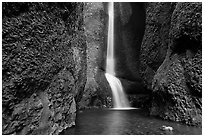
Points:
(125, 122)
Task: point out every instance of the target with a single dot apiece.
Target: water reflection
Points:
(117, 122)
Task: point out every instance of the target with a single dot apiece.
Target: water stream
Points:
(119, 98)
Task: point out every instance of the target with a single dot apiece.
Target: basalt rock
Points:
(43, 66)
(129, 25)
(177, 84)
(155, 41)
(129, 30)
(96, 92)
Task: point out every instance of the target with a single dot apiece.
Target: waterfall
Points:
(119, 97)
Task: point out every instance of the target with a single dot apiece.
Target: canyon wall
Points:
(171, 60)
(53, 61)
(43, 66)
(155, 42)
(97, 92)
(129, 30)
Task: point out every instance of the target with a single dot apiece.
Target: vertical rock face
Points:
(128, 37)
(129, 26)
(43, 66)
(155, 40)
(95, 19)
(129, 30)
(175, 80)
(61, 106)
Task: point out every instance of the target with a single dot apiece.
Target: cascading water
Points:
(119, 97)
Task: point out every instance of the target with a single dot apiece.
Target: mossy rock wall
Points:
(43, 66)
(172, 60)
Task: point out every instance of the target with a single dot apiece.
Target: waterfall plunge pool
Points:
(125, 122)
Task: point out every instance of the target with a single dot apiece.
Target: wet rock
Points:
(25, 115)
(95, 28)
(61, 96)
(177, 83)
(155, 41)
(171, 60)
(129, 26)
(140, 101)
(40, 44)
(167, 128)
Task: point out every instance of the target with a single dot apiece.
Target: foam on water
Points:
(119, 97)
(127, 108)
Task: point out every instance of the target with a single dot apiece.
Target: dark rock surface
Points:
(142, 101)
(43, 66)
(128, 30)
(62, 105)
(175, 45)
(155, 40)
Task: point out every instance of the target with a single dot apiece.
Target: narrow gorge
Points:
(66, 65)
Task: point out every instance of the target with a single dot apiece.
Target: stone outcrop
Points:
(96, 92)
(129, 30)
(155, 41)
(172, 60)
(43, 66)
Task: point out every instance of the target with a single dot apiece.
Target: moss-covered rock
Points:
(95, 93)
(156, 38)
(61, 103)
(177, 84)
(39, 43)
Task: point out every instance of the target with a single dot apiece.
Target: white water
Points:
(120, 100)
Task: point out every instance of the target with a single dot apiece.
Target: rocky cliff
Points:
(43, 66)
(171, 59)
(96, 92)
(53, 61)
